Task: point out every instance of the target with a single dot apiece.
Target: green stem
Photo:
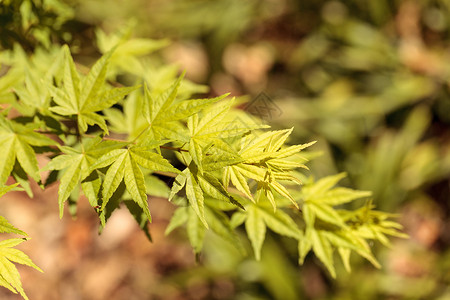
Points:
(141, 133)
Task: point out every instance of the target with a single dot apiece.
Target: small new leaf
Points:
(125, 166)
(328, 229)
(16, 142)
(162, 111)
(84, 97)
(265, 161)
(320, 197)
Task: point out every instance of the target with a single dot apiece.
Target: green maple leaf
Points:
(194, 193)
(212, 128)
(76, 166)
(197, 186)
(124, 165)
(179, 217)
(259, 216)
(13, 77)
(9, 276)
(16, 141)
(128, 50)
(320, 197)
(84, 97)
(218, 223)
(323, 241)
(35, 93)
(6, 227)
(131, 121)
(163, 112)
(328, 229)
(267, 162)
(318, 200)
(368, 223)
(321, 246)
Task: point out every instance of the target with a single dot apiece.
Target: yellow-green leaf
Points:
(134, 181)
(10, 277)
(195, 230)
(256, 229)
(195, 196)
(69, 182)
(6, 227)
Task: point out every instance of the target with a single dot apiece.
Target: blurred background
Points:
(368, 79)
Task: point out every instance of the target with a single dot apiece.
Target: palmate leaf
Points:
(34, 96)
(84, 97)
(368, 223)
(35, 93)
(256, 230)
(322, 249)
(328, 229)
(259, 216)
(265, 161)
(131, 121)
(319, 198)
(128, 50)
(198, 186)
(195, 196)
(124, 165)
(9, 276)
(162, 111)
(195, 230)
(156, 187)
(210, 129)
(324, 241)
(218, 222)
(76, 166)
(194, 226)
(16, 141)
(6, 227)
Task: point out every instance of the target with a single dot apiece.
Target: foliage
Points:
(32, 22)
(9, 276)
(112, 139)
(369, 81)
(207, 146)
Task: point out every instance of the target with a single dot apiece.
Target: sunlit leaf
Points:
(8, 271)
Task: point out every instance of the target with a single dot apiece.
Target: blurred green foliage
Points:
(370, 81)
(33, 22)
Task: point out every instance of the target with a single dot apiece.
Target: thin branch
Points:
(168, 174)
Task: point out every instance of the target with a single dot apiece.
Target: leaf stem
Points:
(141, 133)
(174, 148)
